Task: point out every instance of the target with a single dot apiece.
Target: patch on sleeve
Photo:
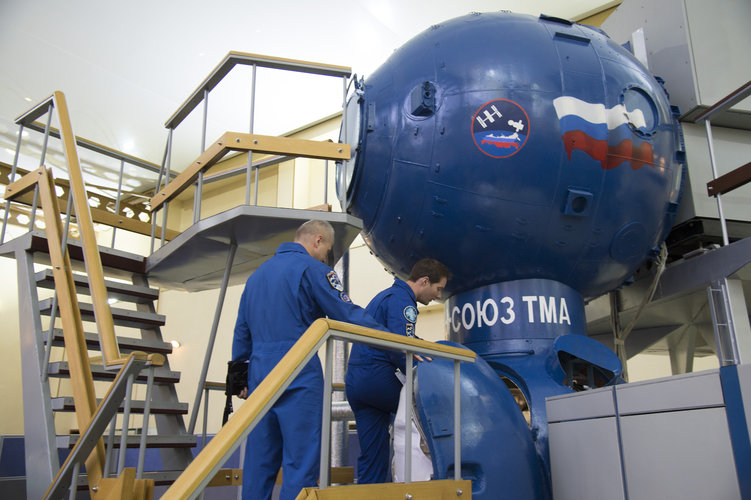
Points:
(345, 297)
(410, 313)
(334, 281)
(410, 330)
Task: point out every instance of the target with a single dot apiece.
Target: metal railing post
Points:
(249, 171)
(457, 423)
(145, 423)
(10, 180)
(117, 200)
(713, 163)
(166, 181)
(197, 198)
(323, 481)
(124, 432)
(255, 193)
(110, 446)
(408, 388)
(41, 162)
(205, 415)
(342, 181)
(158, 187)
(74, 481)
(199, 185)
(205, 119)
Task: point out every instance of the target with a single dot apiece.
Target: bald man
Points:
(280, 301)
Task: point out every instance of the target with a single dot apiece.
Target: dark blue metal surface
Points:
(490, 421)
(533, 333)
(543, 164)
(484, 142)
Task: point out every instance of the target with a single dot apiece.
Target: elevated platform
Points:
(679, 302)
(196, 259)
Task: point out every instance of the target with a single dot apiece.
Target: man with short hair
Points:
(372, 384)
(280, 301)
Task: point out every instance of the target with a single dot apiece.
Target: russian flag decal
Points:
(603, 133)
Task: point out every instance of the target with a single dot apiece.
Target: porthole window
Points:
(641, 111)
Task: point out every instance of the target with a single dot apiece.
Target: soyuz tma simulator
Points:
(543, 164)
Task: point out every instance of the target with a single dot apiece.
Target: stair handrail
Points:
(237, 141)
(89, 436)
(200, 471)
(111, 357)
(201, 95)
(116, 220)
(234, 58)
(41, 181)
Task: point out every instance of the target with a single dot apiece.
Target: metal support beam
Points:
(212, 338)
(39, 426)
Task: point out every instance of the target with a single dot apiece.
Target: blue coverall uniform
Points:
(372, 388)
(280, 301)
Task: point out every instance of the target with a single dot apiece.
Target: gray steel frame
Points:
(99, 422)
(42, 463)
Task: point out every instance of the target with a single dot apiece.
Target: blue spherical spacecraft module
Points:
(514, 147)
(543, 164)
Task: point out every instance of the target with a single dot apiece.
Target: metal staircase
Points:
(140, 319)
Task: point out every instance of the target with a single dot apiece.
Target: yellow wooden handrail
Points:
(229, 437)
(82, 381)
(81, 377)
(236, 141)
(102, 313)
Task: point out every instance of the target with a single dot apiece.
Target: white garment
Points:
(422, 466)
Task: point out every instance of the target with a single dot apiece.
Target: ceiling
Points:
(126, 67)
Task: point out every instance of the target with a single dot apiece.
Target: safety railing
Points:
(121, 209)
(281, 149)
(197, 475)
(42, 184)
(718, 295)
(718, 186)
(106, 412)
(91, 419)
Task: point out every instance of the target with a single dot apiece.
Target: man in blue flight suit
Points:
(280, 301)
(371, 382)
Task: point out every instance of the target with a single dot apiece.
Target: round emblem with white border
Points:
(410, 313)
